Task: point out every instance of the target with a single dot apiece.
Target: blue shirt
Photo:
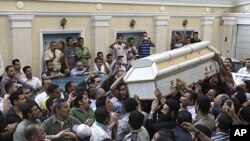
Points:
(144, 48)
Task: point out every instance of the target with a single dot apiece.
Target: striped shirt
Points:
(144, 48)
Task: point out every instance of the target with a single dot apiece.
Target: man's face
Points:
(72, 87)
(64, 110)
(70, 42)
(211, 94)
(109, 104)
(144, 35)
(17, 66)
(11, 72)
(165, 109)
(110, 59)
(57, 93)
(85, 101)
(99, 62)
(195, 36)
(213, 81)
(131, 42)
(188, 41)
(35, 112)
(28, 72)
(123, 92)
(98, 81)
(119, 40)
(14, 87)
(247, 63)
(101, 92)
(41, 135)
(227, 62)
(53, 46)
(21, 100)
(50, 66)
(81, 42)
(27, 94)
(79, 66)
(46, 83)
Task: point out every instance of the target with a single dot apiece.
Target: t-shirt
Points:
(144, 48)
(69, 53)
(120, 50)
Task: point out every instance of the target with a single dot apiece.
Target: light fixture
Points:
(132, 23)
(63, 22)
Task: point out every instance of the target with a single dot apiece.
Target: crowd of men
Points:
(102, 110)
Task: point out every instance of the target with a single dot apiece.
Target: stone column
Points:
(229, 33)
(100, 26)
(207, 28)
(160, 33)
(20, 38)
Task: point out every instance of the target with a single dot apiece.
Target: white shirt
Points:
(100, 132)
(41, 99)
(34, 82)
(243, 71)
(120, 50)
(1, 65)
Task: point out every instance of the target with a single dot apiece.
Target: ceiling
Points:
(212, 3)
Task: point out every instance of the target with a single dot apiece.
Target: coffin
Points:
(189, 63)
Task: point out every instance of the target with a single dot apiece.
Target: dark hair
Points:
(30, 131)
(119, 36)
(193, 95)
(49, 103)
(109, 55)
(8, 67)
(14, 61)
(97, 59)
(131, 38)
(68, 38)
(245, 114)
(8, 85)
(25, 68)
(57, 104)
(99, 53)
(224, 121)
(144, 33)
(79, 38)
(166, 134)
(101, 114)
(79, 97)
(67, 85)
(52, 42)
(15, 96)
(48, 61)
(247, 83)
(26, 108)
(135, 119)
(204, 103)
(101, 101)
(130, 105)
(240, 96)
(195, 33)
(184, 116)
(204, 129)
(223, 99)
(178, 33)
(51, 88)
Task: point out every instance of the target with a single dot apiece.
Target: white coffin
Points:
(189, 63)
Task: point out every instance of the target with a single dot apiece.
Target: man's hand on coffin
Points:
(181, 84)
(217, 57)
(137, 98)
(155, 105)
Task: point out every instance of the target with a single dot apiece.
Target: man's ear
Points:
(80, 102)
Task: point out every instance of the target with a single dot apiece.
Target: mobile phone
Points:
(134, 136)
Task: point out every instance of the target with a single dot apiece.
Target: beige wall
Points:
(42, 21)
(242, 9)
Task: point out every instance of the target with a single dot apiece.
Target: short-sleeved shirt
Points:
(82, 116)
(34, 82)
(144, 48)
(69, 53)
(120, 50)
(82, 51)
(52, 126)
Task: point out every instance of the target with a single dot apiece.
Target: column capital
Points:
(20, 21)
(161, 20)
(229, 20)
(100, 21)
(207, 20)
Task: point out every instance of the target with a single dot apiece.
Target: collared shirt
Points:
(34, 82)
(142, 135)
(118, 106)
(120, 50)
(221, 136)
(14, 79)
(75, 72)
(52, 126)
(82, 51)
(100, 132)
(207, 120)
(69, 53)
(48, 55)
(243, 71)
(82, 116)
(41, 99)
(19, 132)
